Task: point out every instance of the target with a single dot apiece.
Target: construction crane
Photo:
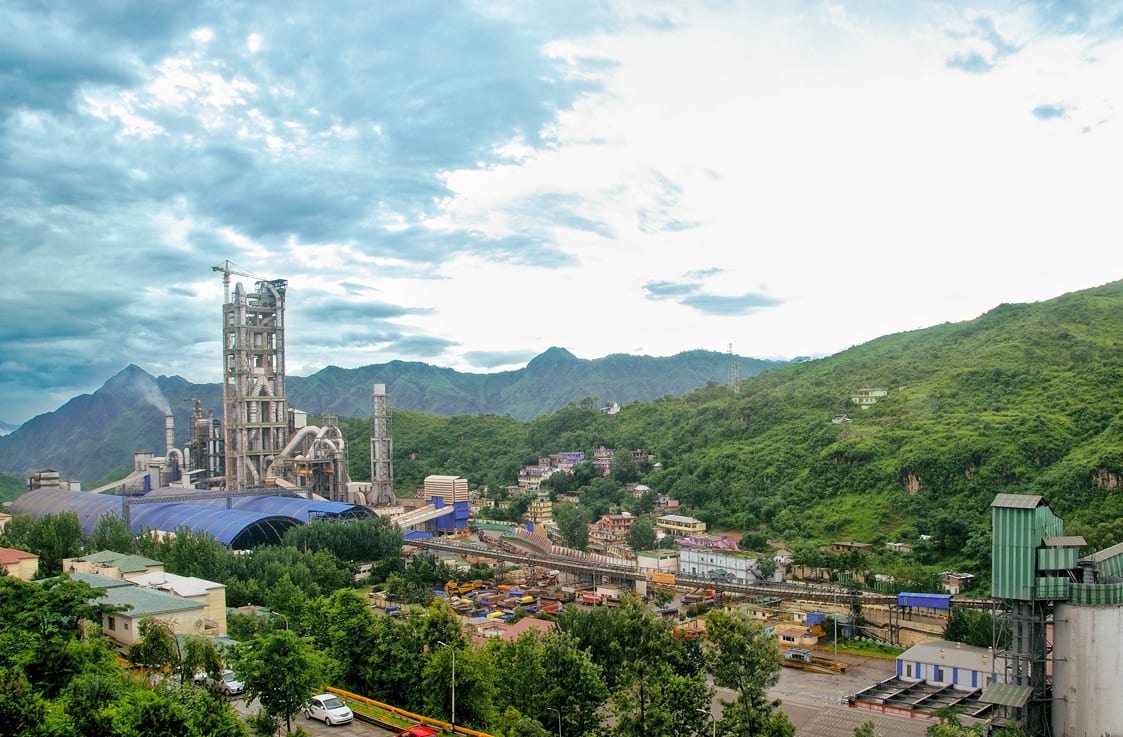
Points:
(225, 269)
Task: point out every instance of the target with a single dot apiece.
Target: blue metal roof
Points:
(235, 528)
(303, 510)
(89, 507)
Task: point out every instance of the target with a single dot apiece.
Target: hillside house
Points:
(610, 531)
(602, 460)
(868, 397)
(680, 526)
(956, 583)
(540, 511)
(848, 546)
(531, 477)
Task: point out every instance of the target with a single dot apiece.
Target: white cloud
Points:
(508, 179)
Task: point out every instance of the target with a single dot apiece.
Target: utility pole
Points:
(451, 650)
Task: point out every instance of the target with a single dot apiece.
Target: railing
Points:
(456, 729)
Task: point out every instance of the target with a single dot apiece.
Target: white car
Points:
(329, 709)
(227, 683)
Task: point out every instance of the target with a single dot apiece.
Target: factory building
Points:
(1063, 616)
(253, 391)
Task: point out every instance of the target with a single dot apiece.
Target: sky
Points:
(467, 184)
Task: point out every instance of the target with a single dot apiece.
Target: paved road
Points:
(815, 702)
(318, 729)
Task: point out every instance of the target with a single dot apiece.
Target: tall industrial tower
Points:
(381, 450)
(253, 390)
(734, 371)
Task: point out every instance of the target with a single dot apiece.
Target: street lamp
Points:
(710, 714)
(451, 650)
(559, 718)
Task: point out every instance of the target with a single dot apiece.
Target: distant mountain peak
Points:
(553, 356)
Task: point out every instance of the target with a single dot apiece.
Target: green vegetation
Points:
(1024, 399)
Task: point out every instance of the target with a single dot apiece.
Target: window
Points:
(112, 624)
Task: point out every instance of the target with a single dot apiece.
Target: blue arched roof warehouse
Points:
(248, 521)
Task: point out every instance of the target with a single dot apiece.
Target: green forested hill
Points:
(1025, 399)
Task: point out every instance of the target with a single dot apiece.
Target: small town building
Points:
(657, 560)
(602, 459)
(734, 566)
(183, 616)
(955, 583)
(112, 564)
(210, 594)
(868, 397)
(18, 563)
(679, 525)
(795, 635)
(540, 511)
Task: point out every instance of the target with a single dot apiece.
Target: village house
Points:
(610, 531)
(602, 460)
(18, 564)
(956, 583)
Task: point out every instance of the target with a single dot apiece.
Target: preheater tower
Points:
(253, 358)
(381, 450)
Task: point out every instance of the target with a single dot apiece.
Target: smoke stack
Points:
(169, 434)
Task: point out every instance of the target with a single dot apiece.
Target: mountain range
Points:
(93, 436)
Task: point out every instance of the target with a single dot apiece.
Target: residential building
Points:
(18, 563)
(540, 511)
(678, 525)
(183, 616)
(955, 583)
(531, 477)
(602, 460)
(868, 397)
(210, 594)
(847, 546)
(111, 564)
(610, 531)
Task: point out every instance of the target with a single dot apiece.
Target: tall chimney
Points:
(169, 434)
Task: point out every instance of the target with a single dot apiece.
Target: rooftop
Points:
(12, 555)
(126, 562)
(142, 602)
